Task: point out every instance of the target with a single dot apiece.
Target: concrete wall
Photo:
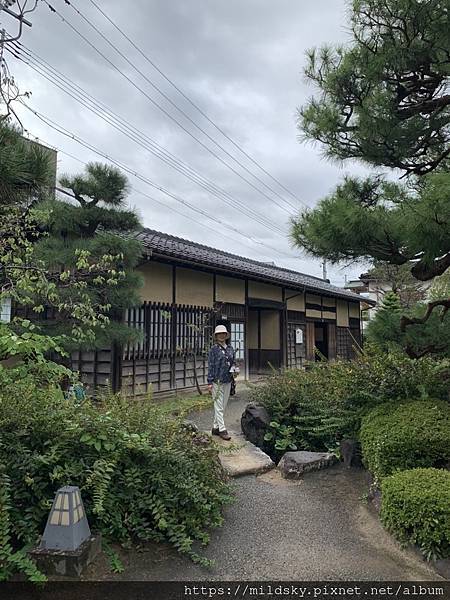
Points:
(193, 287)
(229, 289)
(157, 282)
(313, 299)
(328, 302)
(270, 330)
(297, 302)
(252, 334)
(265, 291)
(354, 310)
(341, 313)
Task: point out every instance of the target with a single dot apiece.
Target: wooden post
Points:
(331, 341)
(284, 333)
(310, 341)
(246, 335)
(173, 345)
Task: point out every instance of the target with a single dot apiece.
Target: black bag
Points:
(233, 387)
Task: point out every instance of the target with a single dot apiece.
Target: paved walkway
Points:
(313, 529)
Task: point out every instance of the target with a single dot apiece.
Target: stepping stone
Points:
(246, 459)
(294, 464)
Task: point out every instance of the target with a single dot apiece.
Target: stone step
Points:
(245, 459)
(294, 464)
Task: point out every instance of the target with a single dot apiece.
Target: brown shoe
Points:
(224, 435)
(215, 431)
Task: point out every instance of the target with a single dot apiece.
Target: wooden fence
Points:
(172, 351)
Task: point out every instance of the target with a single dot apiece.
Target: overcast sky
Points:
(241, 62)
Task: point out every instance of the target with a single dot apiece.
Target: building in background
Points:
(372, 290)
(276, 317)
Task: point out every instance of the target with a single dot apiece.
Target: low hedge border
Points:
(399, 436)
(415, 508)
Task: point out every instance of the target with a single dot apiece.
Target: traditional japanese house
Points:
(276, 318)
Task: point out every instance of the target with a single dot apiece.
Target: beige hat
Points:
(221, 329)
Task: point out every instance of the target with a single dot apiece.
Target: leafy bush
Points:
(415, 508)
(326, 403)
(142, 476)
(396, 437)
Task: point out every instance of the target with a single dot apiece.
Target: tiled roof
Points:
(170, 246)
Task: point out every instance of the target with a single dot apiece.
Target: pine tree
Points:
(383, 99)
(94, 219)
(391, 302)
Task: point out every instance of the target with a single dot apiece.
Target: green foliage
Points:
(316, 408)
(282, 436)
(11, 560)
(94, 223)
(74, 285)
(373, 219)
(384, 331)
(440, 287)
(382, 97)
(116, 564)
(142, 475)
(391, 302)
(396, 437)
(415, 508)
(101, 183)
(26, 169)
(27, 343)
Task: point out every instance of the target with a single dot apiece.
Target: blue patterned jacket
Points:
(219, 364)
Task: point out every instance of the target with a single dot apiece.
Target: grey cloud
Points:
(241, 61)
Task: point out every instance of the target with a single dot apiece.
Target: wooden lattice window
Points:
(237, 339)
(168, 330)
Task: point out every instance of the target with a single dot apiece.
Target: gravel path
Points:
(313, 529)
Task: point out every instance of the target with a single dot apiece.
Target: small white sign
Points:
(299, 336)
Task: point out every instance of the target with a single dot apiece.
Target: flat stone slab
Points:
(294, 464)
(246, 459)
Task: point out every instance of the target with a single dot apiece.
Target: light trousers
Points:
(220, 394)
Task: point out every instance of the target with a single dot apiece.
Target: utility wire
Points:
(99, 109)
(161, 108)
(60, 129)
(191, 102)
(180, 110)
(132, 188)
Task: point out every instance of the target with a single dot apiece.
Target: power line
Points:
(99, 109)
(191, 102)
(180, 110)
(60, 129)
(135, 190)
(162, 109)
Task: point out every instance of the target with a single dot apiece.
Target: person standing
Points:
(221, 368)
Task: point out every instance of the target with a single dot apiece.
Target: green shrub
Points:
(326, 402)
(396, 437)
(142, 476)
(415, 508)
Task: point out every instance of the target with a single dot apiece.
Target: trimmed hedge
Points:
(415, 508)
(315, 409)
(396, 437)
